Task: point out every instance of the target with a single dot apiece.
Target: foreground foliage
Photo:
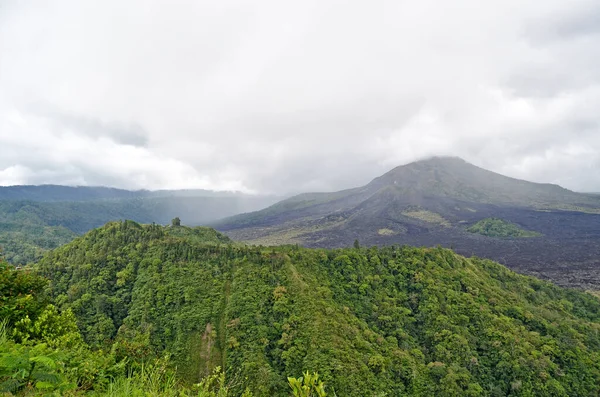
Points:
(41, 348)
(43, 353)
(392, 321)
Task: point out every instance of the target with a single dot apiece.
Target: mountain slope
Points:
(400, 321)
(433, 202)
(439, 177)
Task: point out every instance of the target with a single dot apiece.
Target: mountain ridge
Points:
(53, 192)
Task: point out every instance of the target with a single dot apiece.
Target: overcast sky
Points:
(279, 97)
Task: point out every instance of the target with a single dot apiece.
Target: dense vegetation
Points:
(494, 227)
(43, 353)
(25, 241)
(41, 348)
(390, 321)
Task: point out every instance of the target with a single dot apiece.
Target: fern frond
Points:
(10, 386)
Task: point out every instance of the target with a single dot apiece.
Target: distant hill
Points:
(34, 219)
(433, 202)
(371, 321)
(63, 193)
(46, 193)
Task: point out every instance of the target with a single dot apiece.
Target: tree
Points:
(176, 221)
(20, 294)
(356, 244)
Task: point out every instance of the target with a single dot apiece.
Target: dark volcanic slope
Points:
(433, 202)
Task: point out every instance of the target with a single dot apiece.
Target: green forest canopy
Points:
(371, 321)
(42, 352)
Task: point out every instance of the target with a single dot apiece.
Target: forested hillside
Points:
(42, 353)
(371, 321)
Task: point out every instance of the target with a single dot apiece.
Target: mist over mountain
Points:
(269, 96)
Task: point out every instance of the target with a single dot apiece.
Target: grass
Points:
(570, 207)
(158, 381)
(595, 293)
(427, 216)
(290, 233)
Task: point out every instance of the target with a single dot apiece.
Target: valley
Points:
(34, 219)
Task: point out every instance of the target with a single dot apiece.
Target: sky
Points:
(271, 96)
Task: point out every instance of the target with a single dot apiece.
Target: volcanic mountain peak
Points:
(456, 178)
(439, 183)
(435, 169)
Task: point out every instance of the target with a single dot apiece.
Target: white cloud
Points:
(273, 96)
